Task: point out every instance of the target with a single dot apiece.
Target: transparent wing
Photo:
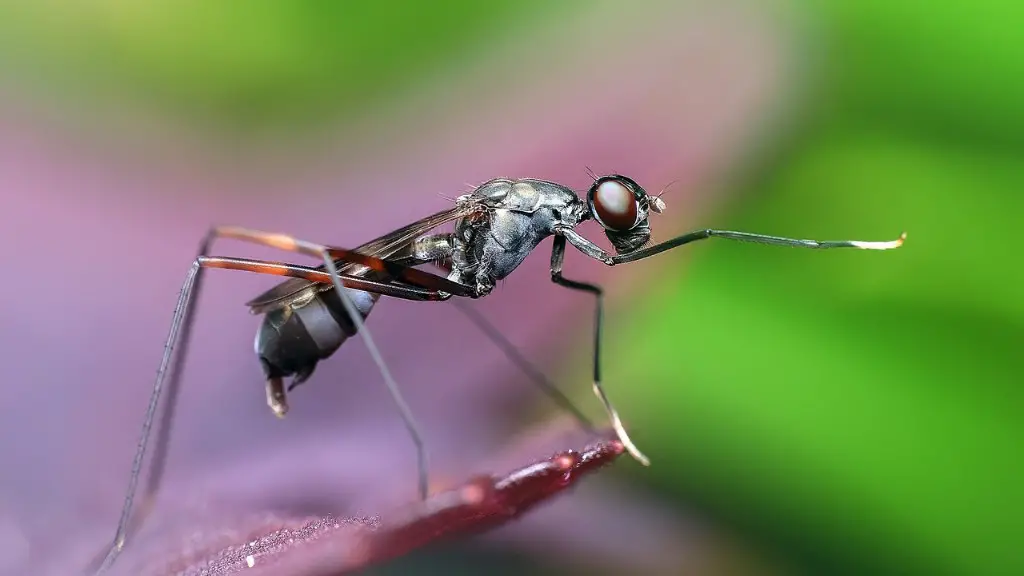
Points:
(382, 247)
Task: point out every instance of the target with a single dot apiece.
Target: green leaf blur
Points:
(250, 64)
(860, 409)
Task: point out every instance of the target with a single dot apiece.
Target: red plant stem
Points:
(486, 502)
(336, 547)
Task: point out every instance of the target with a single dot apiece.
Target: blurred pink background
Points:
(102, 213)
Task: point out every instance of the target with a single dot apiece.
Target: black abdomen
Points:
(291, 340)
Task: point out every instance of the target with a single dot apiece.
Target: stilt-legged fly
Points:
(308, 317)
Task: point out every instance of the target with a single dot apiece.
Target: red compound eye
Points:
(613, 200)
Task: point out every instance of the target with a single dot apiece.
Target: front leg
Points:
(581, 244)
(595, 251)
(557, 259)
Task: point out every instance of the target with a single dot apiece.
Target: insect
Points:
(496, 226)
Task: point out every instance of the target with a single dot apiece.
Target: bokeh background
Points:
(805, 412)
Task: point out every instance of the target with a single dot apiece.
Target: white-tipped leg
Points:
(890, 245)
(620, 430)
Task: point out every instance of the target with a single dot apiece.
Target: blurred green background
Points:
(885, 391)
(863, 418)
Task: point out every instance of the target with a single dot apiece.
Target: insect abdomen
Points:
(291, 340)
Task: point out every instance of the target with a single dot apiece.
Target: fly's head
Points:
(621, 207)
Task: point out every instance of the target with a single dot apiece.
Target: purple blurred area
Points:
(101, 215)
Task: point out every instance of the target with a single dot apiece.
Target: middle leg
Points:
(328, 255)
(557, 258)
(437, 249)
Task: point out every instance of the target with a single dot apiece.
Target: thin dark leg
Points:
(396, 394)
(435, 249)
(597, 253)
(328, 254)
(557, 258)
(162, 439)
(182, 317)
(757, 238)
(531, 371)
(181, 325)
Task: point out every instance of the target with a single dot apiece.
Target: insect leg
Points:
(557, 259)
(181, 321)
(758, 238)
(388, 267)
(516, 357)
(597, 253)
(437, 249)
(328, 254)
(181, 325)
(383, 288)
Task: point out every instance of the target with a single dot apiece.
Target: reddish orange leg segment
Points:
(182, 321)
(291, 244)
(319, 276)
(405, 274)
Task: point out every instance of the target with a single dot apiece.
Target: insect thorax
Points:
(522, 214)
